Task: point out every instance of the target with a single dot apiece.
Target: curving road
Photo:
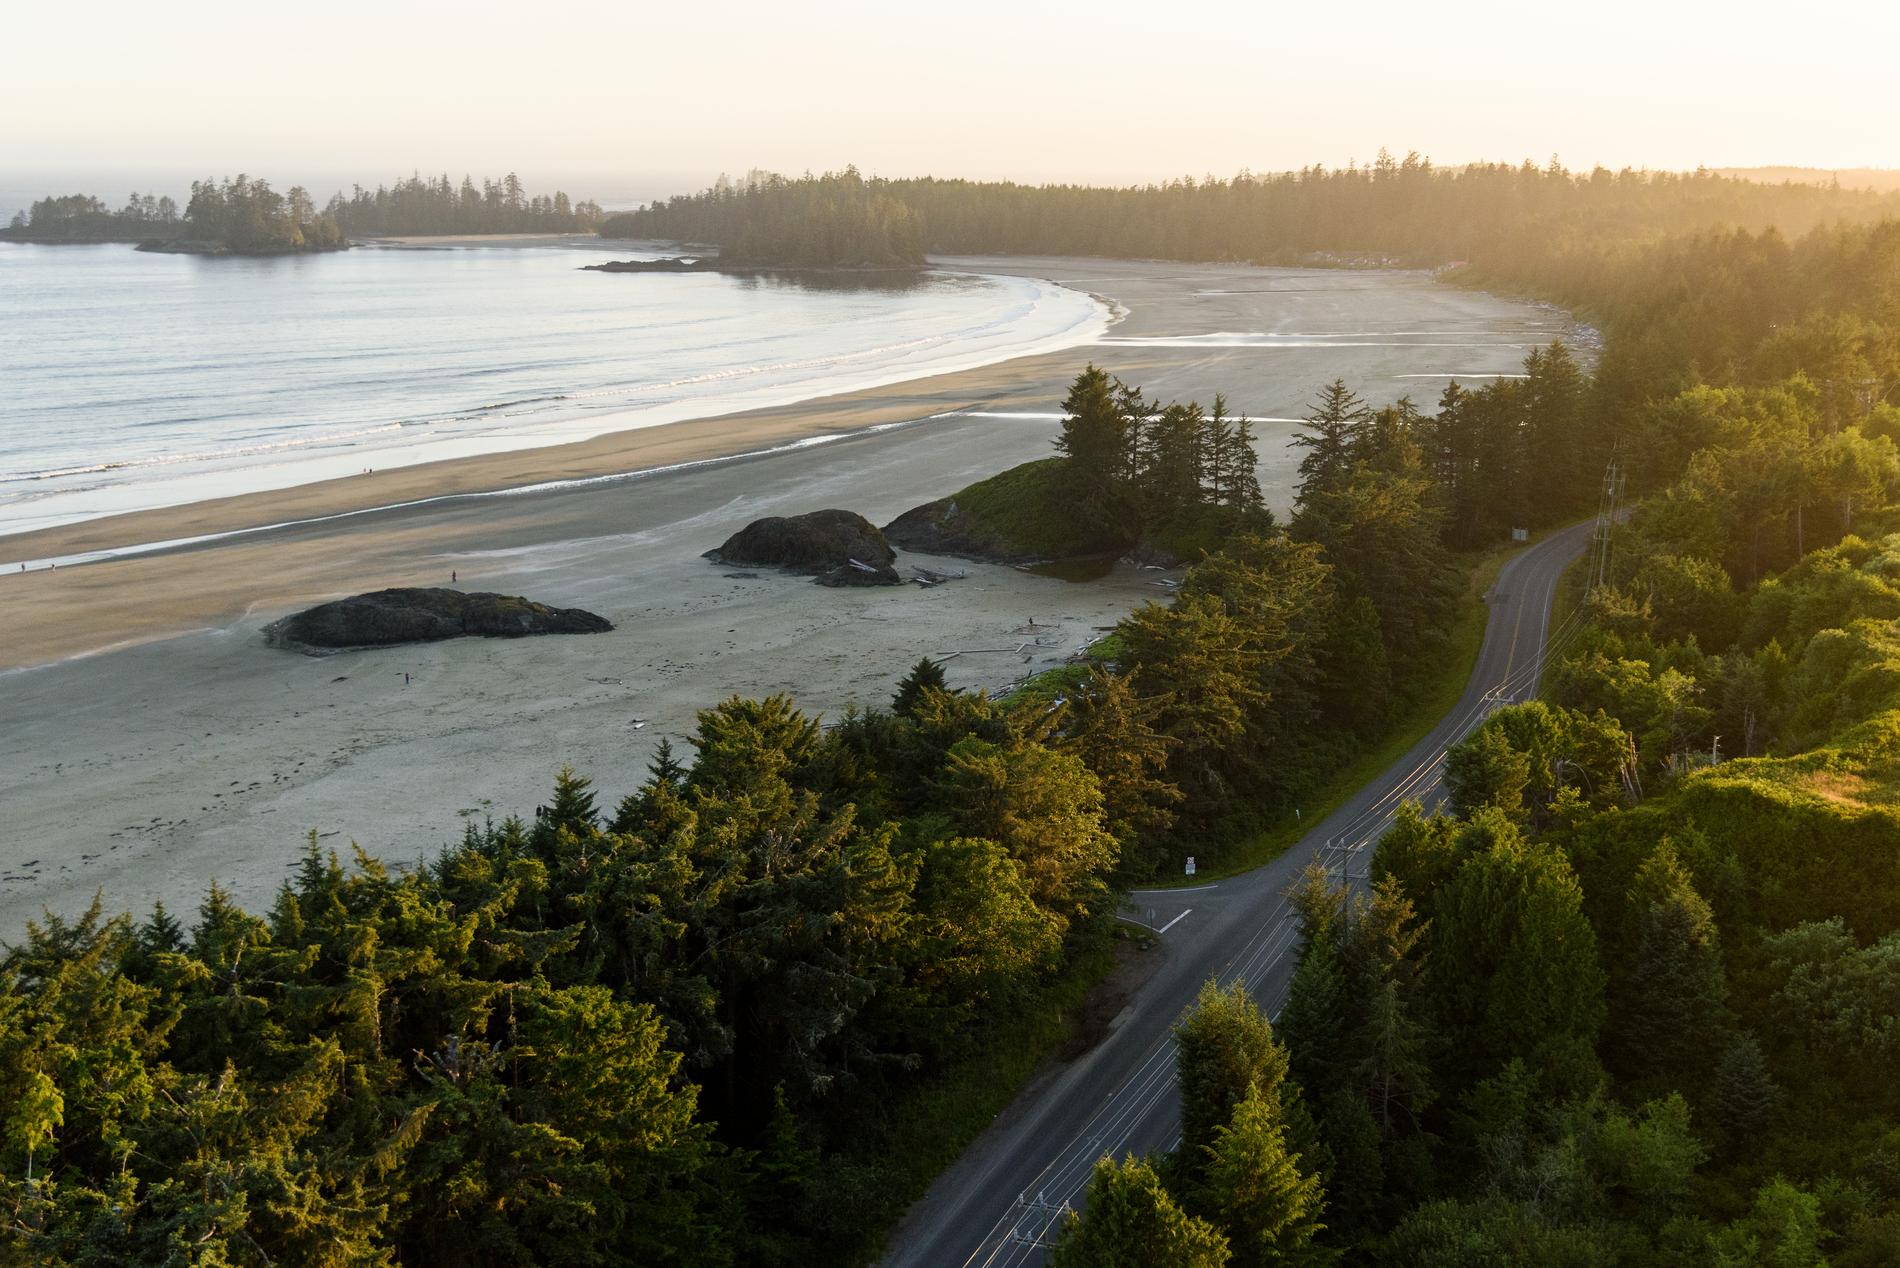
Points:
(1000, 1203)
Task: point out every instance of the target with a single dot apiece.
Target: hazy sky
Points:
(628, 96)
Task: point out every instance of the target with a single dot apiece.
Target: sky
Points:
(631, 100)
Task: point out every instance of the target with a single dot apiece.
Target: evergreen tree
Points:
(1241, 488)
(1259, 1194)
(1671, 999)
(1096, 442)
(1555, 438)
(572, 807)
(1743, 1095)
(1513, 968)
(925, 675)
(1484, 769)
(1224, 1050)
(1329, 434)
(1131, 1222)
(1114, 733)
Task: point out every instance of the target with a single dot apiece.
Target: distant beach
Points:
(148, 382)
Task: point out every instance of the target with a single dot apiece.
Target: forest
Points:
(1627, 1002)
(701, 1023)
(421, 206)
(1509, 219)
(245, 215)
(838, 220)
(83, 218)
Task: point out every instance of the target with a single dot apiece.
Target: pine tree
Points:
(572, 807)
(1095, 440)
(1224, 1049)
(1513, 969)
(1330, 432)
(1217, 454)
(1485, 770)
(925, 675)
(1256, 1188)
(1173, 462)
(1670, 1000)
(1743, 1095)
(1242, 489)
(1317, 1020)
(1130, 1221)
(1114, 734)
(1556, 447)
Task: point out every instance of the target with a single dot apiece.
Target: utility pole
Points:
(1037, 1223)
(1605, 525)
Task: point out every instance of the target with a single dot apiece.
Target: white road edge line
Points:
(1177, 920)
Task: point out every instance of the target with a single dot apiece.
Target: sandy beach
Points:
(150, 741)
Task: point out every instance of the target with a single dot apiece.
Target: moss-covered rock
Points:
(1026, 514)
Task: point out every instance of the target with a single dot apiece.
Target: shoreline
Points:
(203, 753)
(202, 498)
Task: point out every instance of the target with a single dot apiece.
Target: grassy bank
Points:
(912, 1138)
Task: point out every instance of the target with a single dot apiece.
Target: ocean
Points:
(131, 380)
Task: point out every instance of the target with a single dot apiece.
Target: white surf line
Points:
(1042, 417)
(519, 490)
(1461, 376)
(1283, 341)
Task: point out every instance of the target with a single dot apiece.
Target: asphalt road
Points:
(1002, 1201)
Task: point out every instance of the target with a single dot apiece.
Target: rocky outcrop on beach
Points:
(939, 528)
(668, 264)
(837, 548)
(200, 246)
(384, 618)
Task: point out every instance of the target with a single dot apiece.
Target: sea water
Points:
(131, 380)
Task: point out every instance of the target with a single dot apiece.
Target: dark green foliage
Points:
(1225, 1052)
(1669, 997)
(1256, 1190)
(421, 205)
(926, 674)
(562, 1042)
(1545, 226)
(1330, 435)
(838, 220)
(1131, 1222)
(1514, 967)
(1742, 1096)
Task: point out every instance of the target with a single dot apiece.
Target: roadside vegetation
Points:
(1629, 1002)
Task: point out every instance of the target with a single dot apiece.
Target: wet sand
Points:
(149, 741)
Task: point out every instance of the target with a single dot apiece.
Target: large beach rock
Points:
(940, 528)
(387, 617)
(839, 548)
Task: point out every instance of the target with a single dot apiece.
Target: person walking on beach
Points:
(405, 678)
(451, 576)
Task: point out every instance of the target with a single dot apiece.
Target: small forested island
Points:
(246, 216)
(835, 221)
(243, 216)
